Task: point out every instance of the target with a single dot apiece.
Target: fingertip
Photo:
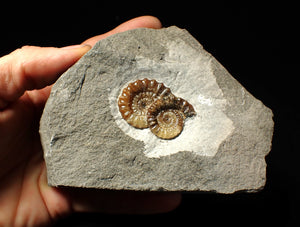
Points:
(163, 202)
(138, 22)
(81, 47)
(77, 50)
(173, 201)
(150, 22)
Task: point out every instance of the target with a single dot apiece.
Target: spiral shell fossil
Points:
(136, 98)
(166, 116)
(149, 104)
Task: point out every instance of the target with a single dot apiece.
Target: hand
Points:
(26, 76)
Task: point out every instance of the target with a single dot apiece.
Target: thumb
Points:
(34, 67)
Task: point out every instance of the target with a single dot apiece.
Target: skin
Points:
(26, 76)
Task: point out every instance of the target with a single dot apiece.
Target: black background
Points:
(257, 44)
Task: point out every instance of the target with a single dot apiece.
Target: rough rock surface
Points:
(87, 143)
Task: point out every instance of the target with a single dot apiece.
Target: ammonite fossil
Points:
(147, 103)
(136, 98)
(166, 116)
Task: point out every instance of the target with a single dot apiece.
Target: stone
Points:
(88, 144)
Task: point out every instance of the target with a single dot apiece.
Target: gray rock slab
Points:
(87, 143)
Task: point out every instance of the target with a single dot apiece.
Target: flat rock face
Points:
(87, 143)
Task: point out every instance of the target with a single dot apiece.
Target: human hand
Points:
(26, 76)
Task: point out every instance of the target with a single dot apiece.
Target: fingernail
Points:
(75, 46)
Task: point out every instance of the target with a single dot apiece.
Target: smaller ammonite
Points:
(147, 103)
(136, 98)
(166, 116)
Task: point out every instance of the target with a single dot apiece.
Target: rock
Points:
(87, 143)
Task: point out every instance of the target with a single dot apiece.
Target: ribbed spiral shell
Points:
(166, 116)
(136, 98)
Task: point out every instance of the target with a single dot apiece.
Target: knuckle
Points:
(18, 73)
(14, 76)
(21, 50)
(23, 60)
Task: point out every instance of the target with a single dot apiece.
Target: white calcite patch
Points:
(193, 81)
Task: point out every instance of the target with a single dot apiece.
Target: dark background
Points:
(257, 44)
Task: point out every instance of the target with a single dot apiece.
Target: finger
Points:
(129, 202)
(33, 67)
(139, 22)
(55, 200)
